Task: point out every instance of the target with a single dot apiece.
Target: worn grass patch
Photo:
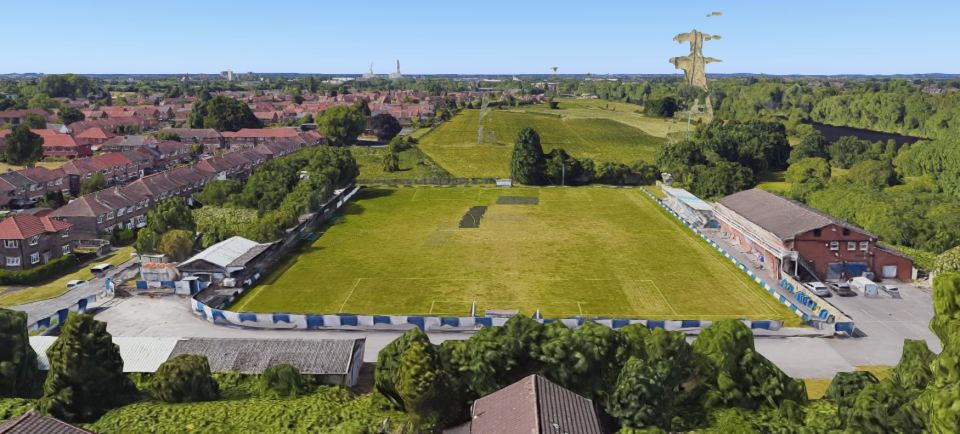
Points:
(603, 137)
(589, 251)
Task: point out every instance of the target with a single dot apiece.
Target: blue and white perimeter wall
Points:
(278, 320)
(825, 316)
(50, 323)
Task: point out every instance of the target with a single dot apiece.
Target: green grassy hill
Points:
(582, 130)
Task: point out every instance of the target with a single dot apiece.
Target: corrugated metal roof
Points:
(688, 198)
(317, 357)
(780, 216)
(140, 354)
(233, 251)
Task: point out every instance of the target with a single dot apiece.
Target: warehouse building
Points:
(787, 237)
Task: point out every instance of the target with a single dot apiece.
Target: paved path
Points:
(169, 316)
(41, 309)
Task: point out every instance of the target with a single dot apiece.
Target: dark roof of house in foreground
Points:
(32, 422)
(317, 357)
(533, 405)
(783, 217)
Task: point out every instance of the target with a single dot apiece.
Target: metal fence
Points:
(429, 181)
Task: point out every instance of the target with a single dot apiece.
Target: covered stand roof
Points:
(234, 252)
(778, 215)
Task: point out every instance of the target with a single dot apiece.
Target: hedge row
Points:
(49, 271)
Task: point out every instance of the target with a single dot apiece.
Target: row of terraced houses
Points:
(138, 179)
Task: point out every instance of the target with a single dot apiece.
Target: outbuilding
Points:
(233, 258)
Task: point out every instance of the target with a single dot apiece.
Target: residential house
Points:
(208, 137)
(127, 143)
(25, 188)
(15, 117)
(95, 137)
(791, 238)
(60, 145)
(533, 405)
(247, 138)
(29, 241)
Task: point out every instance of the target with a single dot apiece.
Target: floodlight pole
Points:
(563, 173)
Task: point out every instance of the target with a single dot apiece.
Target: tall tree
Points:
(806, 176)
(19, 374)
(177, 244)
(528, 164)
(222, 114)
(643, 395)
(341, 125)
(86, 372)
(385, 126)
(23, 146)
(69, 115)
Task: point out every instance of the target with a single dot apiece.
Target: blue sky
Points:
(493, 36)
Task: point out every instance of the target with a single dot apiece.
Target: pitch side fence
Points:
(823, 315)
(280, 320)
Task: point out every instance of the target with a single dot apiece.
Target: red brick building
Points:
(787, 236)
(28, 241)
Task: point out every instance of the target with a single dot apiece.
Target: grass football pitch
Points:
(601, 135)
(589, 251)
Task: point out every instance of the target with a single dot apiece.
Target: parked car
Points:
(100, 268)
(892, 291)
(868, 287)
(74, 283)
(818, 288)
(842, 289)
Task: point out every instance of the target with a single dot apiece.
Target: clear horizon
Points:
(430, 37)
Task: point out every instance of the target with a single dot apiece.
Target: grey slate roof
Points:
(32, 422)
(534, 405)
(316, 357)
(778, 215)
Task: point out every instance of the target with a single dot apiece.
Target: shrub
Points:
(86, 372)
(185, 378)
(284, 381)
(51, 270)
(18, 362)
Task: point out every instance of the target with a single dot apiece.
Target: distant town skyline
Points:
(816, 37)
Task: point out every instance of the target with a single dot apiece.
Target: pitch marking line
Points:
(354, 288)
(662, 295)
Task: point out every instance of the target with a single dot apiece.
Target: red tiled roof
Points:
(53, 138)
(23, 226)
(262, 133)
(94, 133)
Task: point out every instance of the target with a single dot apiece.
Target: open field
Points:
(413, 164)
(590, 251)
(630, 114)
(59, 286)
(603, 137)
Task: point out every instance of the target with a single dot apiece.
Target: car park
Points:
(842, 289)
(818, 288)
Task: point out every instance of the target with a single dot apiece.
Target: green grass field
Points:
(413, 164)
(583, 132)
(590, 251)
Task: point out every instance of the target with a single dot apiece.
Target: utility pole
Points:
(563, 173)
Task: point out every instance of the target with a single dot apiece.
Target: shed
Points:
(228, 258)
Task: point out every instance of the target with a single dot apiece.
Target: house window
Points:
(100, 218)
(34, 257)
(13, 261)
(65, 249)
(110, 215)
(864, 245)
(10, 244)
(851, 246)
(65, 234)
(34, 240)
(834, 245)
(120, 212)
(817, 232)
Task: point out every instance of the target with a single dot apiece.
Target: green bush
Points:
(19, 374)
(284, 381)
(185, 378)
(86, 372)
(49, 271)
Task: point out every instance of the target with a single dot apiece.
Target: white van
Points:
(866, 286)
(100, 268)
